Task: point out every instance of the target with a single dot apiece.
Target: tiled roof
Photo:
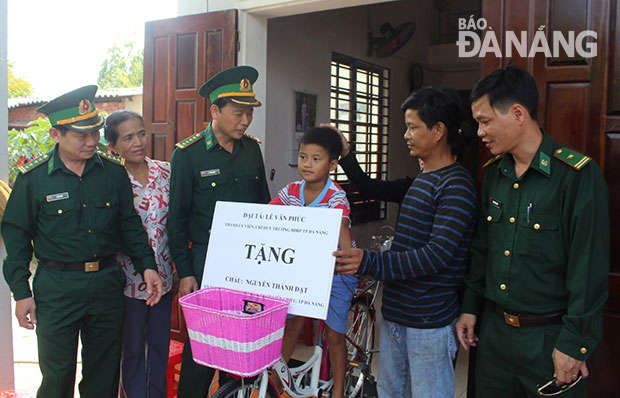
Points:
(102, 93)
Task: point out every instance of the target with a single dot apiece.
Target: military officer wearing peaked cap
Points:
(220, 163)
(540, 254)
(74, 208)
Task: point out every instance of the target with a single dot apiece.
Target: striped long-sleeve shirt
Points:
(430, 252)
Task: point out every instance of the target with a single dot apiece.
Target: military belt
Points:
(87, 266)
(517, 319)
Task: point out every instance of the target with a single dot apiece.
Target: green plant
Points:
(32, 142)
(28, 144)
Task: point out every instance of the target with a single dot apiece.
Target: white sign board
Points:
(279, 251)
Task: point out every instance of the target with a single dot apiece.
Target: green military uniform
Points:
(76, 224)
(202, 172)
(541, 247)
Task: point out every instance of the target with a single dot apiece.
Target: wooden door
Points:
(180, 54)
(579, 107)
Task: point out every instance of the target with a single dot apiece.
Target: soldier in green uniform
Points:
(219, 163)
(75, 206)
(540, 255)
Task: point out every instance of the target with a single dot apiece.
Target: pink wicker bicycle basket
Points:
(224, 337)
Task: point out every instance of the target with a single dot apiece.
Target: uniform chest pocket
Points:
(59, 208)
(106, 212)
(211, 182)
(493, 217)
(251, 178)
(59, 217)
(539, 238)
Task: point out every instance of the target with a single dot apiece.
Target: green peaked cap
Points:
(232, 84)
(75, 110)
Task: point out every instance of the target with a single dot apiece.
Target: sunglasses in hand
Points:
(551, 388)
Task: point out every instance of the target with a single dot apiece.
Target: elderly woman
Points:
(147, 329)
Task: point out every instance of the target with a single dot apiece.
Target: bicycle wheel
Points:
(243, 388)
(360, 340)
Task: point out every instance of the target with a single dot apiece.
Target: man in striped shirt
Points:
(429, 257)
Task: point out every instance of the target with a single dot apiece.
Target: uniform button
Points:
(502, 286)
(80, 179)
(536, 226)
(107, 204)
(213, 184)
(90, 231)
(236, 179)
(256, 178)
(83, 204)
(583, 350)
(512, 220)
(95, 255)
(507, 253)
(490, 218)
(515, 185)
(59, 211)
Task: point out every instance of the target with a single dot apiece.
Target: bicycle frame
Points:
(307, 379)
(292, 378)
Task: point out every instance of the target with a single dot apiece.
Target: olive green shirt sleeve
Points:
(18, 229)
(587, 219)
(181, 188)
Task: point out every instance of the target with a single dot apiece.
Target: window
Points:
(359, 107)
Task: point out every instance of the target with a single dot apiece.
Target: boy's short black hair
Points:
(324, 137)
(507, 86)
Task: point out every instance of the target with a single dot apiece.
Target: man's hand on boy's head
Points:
(346, 148)
(348, 261)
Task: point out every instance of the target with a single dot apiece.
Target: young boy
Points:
(319, 150)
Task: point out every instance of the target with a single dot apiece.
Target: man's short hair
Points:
(114, 120)
(220, 103)
(507, 86)
(324, 137)
(61, 129)
(434, 105)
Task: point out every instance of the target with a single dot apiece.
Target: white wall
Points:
(6, 334)
(134, 103)
(253, 51)
(298, 58)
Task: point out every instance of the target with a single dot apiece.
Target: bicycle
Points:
(299, 382)
(360, 340)
(360, 335)
(311, 378)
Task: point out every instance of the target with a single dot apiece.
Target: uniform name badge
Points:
(57, 196)
(209, 173)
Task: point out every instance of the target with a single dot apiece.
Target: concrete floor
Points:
(28, 375)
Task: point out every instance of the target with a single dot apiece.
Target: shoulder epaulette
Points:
(192, 139)
(112, 158)
(33, 164)
(493, 160)
(572, 158)
(252, 137)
